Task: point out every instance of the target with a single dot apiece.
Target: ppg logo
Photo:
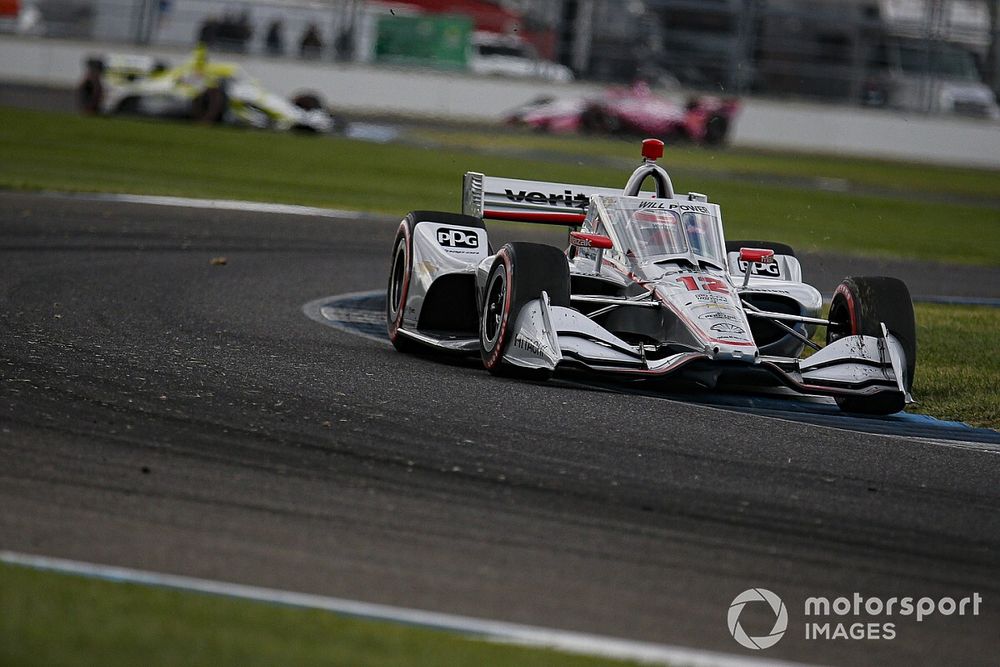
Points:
(457, 238)
(762, 269)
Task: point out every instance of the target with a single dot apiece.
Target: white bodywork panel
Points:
(440, 249)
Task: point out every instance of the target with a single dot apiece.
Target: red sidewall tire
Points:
(494, 357)
(859, 307)
(394, 315)
(854, 325)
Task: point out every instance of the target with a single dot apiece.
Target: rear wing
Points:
(518, 200)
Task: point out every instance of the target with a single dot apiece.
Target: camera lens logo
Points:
(780, 623)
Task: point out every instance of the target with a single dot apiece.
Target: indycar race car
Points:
(203, 91)
(631, 111)
(648, 288)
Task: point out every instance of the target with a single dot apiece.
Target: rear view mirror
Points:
(754, 256)
(596, 241)
(758, 255)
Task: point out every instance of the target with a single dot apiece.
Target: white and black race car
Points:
(648, 288)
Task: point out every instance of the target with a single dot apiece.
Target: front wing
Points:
(547, 337)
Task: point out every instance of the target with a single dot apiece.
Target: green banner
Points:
(431, 41)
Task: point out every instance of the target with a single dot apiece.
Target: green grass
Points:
(52, 620)
(50, 151)
(872, 173)
(958, 364)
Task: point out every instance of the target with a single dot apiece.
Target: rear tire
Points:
(597, 120)
(520, 272)
(401, 270)
(716, 130)
(210, 106)
(308, 101)
(859, 307)
(90, 93)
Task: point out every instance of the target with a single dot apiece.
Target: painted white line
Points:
(981, 447)
(223, 205)
(494, 631)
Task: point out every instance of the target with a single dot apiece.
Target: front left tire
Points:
(859, 307)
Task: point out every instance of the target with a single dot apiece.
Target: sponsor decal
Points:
(522, 342)
(770, 269)
(725, 327)
(568, 198)
(673, 206)
(718, 315)
(711, 297)
(457, 238)
(585, 240)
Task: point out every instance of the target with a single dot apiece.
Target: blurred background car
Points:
(209, 92)
(635, 110)
(495, 54)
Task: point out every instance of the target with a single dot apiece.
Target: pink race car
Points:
(631, 111)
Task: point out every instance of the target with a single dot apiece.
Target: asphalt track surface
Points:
(162, 411)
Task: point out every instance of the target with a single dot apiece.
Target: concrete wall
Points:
(762, 123)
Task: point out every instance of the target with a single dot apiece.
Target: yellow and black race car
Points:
(208, 92)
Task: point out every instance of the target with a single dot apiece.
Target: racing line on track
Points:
(363, 314)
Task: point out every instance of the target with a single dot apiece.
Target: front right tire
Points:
(401, 270)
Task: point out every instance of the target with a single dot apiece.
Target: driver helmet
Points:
(694, 227)
(658, 229)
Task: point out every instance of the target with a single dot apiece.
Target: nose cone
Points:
(729, 352)
(710, 311)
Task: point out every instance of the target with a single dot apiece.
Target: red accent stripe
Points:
(527, 216)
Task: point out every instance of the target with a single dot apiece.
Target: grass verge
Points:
(50, 151)
(872, 173)
(958, 364)
(55, 619)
